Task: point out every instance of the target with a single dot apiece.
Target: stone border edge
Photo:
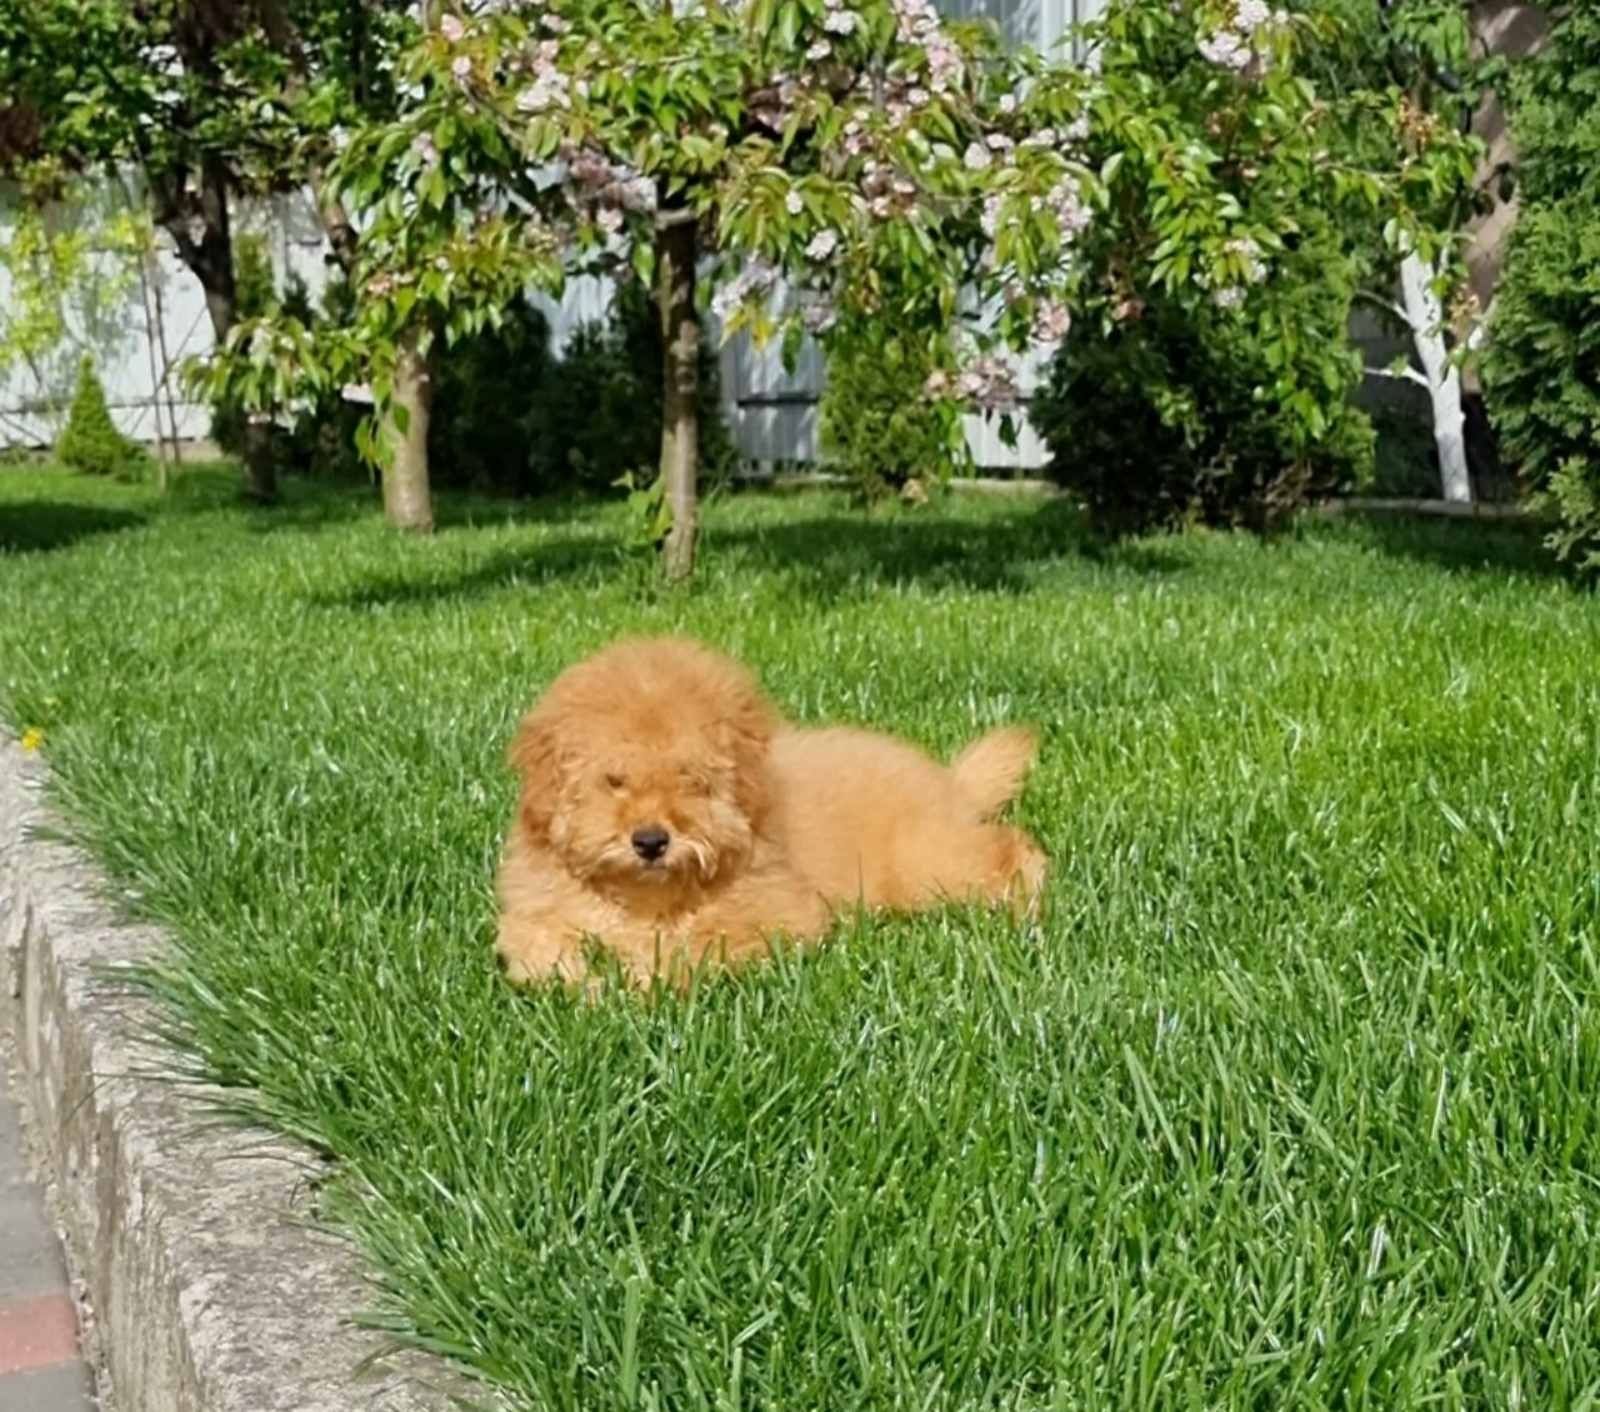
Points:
(208, 1288)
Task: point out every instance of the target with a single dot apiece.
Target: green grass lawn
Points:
(1295, 1103)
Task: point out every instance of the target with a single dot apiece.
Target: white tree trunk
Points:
(1426, 317)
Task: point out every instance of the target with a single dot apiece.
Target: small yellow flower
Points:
(32, 738)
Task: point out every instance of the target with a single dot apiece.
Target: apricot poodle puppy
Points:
(669, 814)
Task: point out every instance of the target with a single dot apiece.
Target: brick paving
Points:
(41, 1366)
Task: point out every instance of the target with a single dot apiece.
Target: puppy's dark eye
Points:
(614, 780)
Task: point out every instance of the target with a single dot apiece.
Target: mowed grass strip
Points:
(1292, 1104)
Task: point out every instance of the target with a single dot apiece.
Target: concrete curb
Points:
(209, 1292)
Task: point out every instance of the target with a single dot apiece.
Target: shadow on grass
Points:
(32, 526)
(553, 560)
(833, 554)
(823, 554)
(1497, 547)
(304, 507)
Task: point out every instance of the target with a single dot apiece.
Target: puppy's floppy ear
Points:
(534, 753)
(748, 726)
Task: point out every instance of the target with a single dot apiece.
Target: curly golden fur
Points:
(667, 812)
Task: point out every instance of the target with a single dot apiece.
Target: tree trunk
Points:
(1426, 318)
(680, 427)
(407, 501)
(200, 228)
(153, 337)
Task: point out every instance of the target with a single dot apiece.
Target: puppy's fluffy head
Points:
(646, 764)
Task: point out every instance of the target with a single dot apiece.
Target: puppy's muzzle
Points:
(650, 842)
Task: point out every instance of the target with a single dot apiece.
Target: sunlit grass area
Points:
(1292, 1104)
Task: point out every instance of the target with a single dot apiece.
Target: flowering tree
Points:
(850, 151)
(1417, 80)
(794, 163)
(1241, 203)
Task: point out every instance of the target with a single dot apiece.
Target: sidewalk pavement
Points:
(41, 1367)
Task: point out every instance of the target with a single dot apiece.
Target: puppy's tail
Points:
(990, 771)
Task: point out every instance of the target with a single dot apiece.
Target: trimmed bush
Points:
(876, 424)
(1161, 420)
(485, 390)
(1208, 372)
(90, 441)
(596, 416)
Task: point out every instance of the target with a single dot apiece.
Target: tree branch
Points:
(1406, 374)
(669, 216)
(1387, 305)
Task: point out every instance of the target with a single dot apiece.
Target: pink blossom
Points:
(990, 383)
(609, 219)
(914, 20)
(818, 314)
(1051, 320)
(1255, 268)
(1072, 215)
(822, 245)
(944, 64)
(1251, 15)
(461, 67)
(547, 91)
(756, 278)
(1226, 49)
(452, 29)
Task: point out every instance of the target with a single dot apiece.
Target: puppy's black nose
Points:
(650, 842)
